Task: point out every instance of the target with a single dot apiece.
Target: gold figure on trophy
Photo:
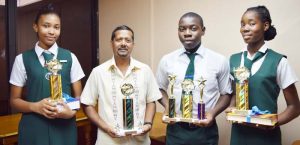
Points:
(187, 99)
(172, 80)
(201, 85)
(128, 115)
(55, 79)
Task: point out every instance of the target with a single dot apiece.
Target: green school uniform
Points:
(35, 129)
(263, 93)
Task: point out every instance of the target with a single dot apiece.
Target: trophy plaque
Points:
(55, 80)
(201, 104)
(172, 113)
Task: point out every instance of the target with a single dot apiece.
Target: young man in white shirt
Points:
(211, 66)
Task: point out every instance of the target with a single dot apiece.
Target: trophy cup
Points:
(242, 105)
(55, 80)
(128, 118)
(187, 99)
(172, 114)
(201, 104)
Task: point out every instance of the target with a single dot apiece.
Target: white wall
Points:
(155, 24)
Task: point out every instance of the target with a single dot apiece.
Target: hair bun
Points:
(270, 33)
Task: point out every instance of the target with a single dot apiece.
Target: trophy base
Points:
(241, 112)
(178, 119)
(244, 116)
(73, 103)
(126, 132)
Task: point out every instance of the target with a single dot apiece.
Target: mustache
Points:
(122, 47)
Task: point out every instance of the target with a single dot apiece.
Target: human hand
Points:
(230, 109)
(64, 111)
(208, 121)
(145, 129)
(46, 108)
(111, 132)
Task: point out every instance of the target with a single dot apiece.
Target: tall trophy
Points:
(128, 117)
(187, 99)
(242, 74)
(242, 114)
(55, 80)
(172, 114)
(201, 104)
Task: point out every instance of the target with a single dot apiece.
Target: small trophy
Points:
(187, 99)
(128, 118)
(201, 104)
(172, 114)
(55, 80)
(242, 74)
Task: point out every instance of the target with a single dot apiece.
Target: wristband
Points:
(148, 123)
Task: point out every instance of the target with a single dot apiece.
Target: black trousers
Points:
(189, 134)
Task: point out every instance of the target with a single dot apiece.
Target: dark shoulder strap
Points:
(28, 57)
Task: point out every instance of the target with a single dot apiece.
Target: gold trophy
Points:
(128, 117)
(242, 113)
(55, 80)
(201, 104)
(187, 99)
(172, 113)
(242, 74)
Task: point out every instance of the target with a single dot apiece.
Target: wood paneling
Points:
(3, 66)
(158, 131)
(9, 129)
(76, 32)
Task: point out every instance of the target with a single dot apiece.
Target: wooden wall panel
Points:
(3, 66)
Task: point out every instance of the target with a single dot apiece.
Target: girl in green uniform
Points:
(269, 73)
(42, 123)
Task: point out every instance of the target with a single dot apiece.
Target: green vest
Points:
(35, 129)
(263, 93)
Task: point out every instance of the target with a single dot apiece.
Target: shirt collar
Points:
(262, 49)
(53, 49)
(200, 51)
(133, 66)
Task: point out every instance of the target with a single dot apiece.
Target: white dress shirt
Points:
(210, 65)
(99, 89)
(18, 75)
(285, 74)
